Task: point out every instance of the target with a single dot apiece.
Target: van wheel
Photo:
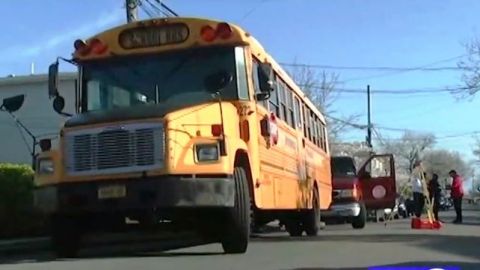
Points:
(237, 227)
(65, 236)
(359, 221)
(312, 216)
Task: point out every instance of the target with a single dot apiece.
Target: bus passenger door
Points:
(378, 182)
(266, 183)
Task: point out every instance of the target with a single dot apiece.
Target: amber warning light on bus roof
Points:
(95, 46)
(223, 31)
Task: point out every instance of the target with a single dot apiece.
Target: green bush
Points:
(18, 218)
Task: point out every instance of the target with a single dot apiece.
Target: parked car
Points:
(355, 193)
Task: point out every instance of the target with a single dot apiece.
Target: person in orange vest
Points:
(457, 195)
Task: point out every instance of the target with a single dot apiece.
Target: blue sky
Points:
(398, 33)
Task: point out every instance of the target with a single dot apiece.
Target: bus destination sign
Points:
(153, 36)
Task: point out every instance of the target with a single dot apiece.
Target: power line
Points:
(148, 12)
(404, 71)
(163, 5)
(391, 91)
(158, 10)
(252, 10)
(379, 68)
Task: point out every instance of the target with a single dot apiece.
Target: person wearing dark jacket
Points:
(434, 191)
(457, 195)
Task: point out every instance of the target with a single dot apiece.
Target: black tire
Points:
(237, 227)
(311, 223)
(65, 236)
(294, 227)
(359, 221)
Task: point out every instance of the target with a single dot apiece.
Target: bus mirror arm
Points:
(223, 149)
(216, 82)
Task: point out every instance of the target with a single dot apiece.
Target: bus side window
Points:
(290, 109)
(314, 128)
(274, 106)
(309, 123)
(320, 134)
(298, 116)
(305, 121)
(282, 100)
(325, 140)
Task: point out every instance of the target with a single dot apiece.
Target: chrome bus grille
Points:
(128, 148)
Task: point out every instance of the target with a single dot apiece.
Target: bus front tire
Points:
(237, 232)
(359, 221)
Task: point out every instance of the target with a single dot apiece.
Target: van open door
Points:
(378, 182)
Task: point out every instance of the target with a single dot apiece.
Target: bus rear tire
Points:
(237, 227)
(294, 227)
(311, 223)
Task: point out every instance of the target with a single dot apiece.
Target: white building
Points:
(36, 113)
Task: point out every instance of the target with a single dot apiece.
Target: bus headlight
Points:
(207, 152)
(45, 166)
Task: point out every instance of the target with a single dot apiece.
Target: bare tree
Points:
(409, 148)
(476, 148)
(471, 67)
(321, 89)
(441, 161)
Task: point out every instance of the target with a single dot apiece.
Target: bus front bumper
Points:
(159, 192)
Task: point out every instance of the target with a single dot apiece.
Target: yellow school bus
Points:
(182, 123)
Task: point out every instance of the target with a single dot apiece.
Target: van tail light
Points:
(356, 191)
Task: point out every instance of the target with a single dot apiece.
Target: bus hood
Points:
(122, 114)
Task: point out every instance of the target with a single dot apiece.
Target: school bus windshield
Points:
(174, 78)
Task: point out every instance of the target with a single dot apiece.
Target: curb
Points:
(29, 245)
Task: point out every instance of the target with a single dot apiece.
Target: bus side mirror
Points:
(12, 104)
(53, 80)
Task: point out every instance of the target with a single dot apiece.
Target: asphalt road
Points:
(337, 247)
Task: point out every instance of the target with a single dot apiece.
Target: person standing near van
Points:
(457, 195)
(417, 189)
(435, 191)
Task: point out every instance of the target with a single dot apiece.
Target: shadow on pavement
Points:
(162, 249)
(461, 265)
(459, 245)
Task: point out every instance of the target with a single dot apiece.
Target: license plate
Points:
(112, 192)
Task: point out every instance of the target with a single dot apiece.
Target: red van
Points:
(355, 193)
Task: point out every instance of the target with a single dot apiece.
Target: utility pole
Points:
(132, 12)
(369, 123)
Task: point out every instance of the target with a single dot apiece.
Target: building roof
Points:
(27, 79)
